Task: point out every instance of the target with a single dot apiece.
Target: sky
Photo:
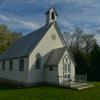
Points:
(28, 15)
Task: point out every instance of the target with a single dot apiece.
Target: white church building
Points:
(39, 57)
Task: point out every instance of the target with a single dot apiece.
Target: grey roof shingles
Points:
(55, 56)
(24, 46)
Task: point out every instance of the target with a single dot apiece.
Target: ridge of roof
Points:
(60, 33)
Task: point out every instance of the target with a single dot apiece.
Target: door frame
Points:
(67, 73)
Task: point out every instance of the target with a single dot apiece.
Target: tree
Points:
(88, 41)
(7, 37)
(67, 37)
(80, 44)
(77, 39)
(81, 63)
(73, 40)
(95, 62)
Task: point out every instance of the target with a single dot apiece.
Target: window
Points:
(21, 65)
(65, 67)
(50, 68)
(3, 65)
(68, 67)
(52, 16)
(38, 61)
(11, 65)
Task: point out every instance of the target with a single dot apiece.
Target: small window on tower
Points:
(52, 16)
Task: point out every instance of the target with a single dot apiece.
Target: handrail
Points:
(73, 78)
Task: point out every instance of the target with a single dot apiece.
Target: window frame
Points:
(11, 65)
(21, 64)
(3, 65)
(65, 67)
(38, 61)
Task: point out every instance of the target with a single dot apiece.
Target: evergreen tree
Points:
(81, 68)
(95, 63)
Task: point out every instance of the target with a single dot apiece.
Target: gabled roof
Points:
(25, 45)
(55, 56)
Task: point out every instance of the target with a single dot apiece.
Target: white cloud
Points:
(31, 1)
(66, 23)
(4, 18)
(26, 24)
(80, 1)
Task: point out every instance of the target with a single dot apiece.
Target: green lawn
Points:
(50, 93)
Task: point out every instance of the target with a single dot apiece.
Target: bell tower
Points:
(51, 15)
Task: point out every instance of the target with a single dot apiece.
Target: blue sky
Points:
(28, 15)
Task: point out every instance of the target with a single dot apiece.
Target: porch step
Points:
(82, 86)
(77, 84)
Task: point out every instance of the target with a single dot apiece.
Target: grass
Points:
(50, 93)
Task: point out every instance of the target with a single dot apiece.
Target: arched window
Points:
(67, 64)
(52, 16)
(38, 61)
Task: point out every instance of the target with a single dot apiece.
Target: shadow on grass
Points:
(7, 87)
(14, 87)
(11, 87)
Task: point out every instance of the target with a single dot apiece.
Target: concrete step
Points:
(82, 86)
(77, 84)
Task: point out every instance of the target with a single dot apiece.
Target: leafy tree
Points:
(7, 37)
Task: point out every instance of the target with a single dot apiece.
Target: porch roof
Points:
(55, 56)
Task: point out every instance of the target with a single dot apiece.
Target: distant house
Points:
(39, 57)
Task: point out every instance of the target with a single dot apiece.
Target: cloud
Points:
(27, 24)
(81, 1)
(4, 18)
(20, 1)
(82, 13)
(67, 25)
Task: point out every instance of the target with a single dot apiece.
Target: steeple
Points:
(51, 15)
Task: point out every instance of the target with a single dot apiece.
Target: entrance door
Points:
(66, 72)
(66, 68)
